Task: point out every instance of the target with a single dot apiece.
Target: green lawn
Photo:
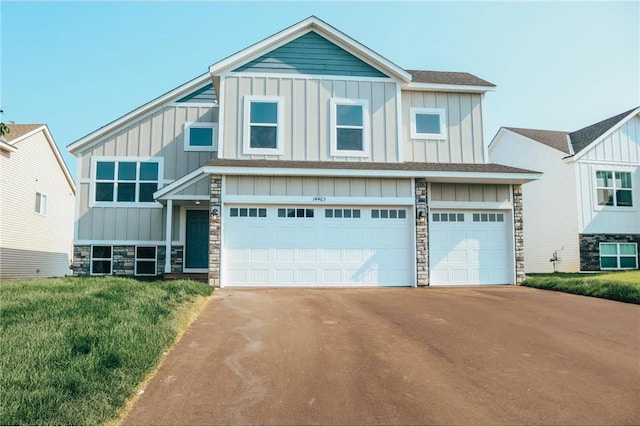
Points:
(620, 286)
(73, 350)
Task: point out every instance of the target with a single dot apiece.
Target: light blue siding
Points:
(311, 54)
(206, 94)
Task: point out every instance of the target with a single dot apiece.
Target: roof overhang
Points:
(513, 176)
(5, 146)
(437, 87)
(178, 92)
(310, 24)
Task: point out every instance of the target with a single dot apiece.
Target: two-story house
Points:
(306, 159)
(583, 213)
(37, 203)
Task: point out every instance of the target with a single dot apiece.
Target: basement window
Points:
(101, 260)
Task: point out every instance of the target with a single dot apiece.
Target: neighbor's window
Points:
(41, 203)
(618, 256)
(613, 188)
(126, 181)
(145, 261)
(101, 259)
(200, 136)
(263, 127)
(428, 123)
(349, 133)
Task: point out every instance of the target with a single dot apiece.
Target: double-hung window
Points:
(263, 125)
(126, 181)
(350, 127)
(618, 256)
(200, 136)
(613, 188)
(428, 123)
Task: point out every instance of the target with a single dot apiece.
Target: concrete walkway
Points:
(477, 355)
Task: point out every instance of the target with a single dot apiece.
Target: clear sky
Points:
(77, 66)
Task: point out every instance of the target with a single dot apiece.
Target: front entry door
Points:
(197, 240)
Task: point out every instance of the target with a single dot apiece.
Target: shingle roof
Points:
(447, 78)
(408, 166)
(18, 130)
(552, 138)
(585, 136)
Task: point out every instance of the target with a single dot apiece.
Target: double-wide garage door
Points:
(318, 246)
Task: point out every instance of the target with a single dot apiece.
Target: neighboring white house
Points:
(305, 159)
(585, 209)
(37, 202)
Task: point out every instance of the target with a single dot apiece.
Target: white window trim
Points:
(43, 204)
(92, 187)
(613, 207)
(91, 259)
(617, 255)
(441, 112)
(136, 259)
(246, 135)
(205, 125)
(366, 139)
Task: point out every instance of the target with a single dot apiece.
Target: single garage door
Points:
(470, 248)
(317, 246)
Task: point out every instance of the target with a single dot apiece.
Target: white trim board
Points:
(318, 200)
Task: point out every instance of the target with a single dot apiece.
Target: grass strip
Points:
(73, 350)
(619, 286)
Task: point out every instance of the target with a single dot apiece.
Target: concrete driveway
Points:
(476, 355)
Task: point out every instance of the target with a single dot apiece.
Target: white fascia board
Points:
(310, 24)
(140, 111)
(433, 176)
(606, 134)
(7, 147)
(497, 137)
(437, 87)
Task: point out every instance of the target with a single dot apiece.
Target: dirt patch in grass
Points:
(74, 350)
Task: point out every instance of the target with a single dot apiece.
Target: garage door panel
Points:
(336, 250)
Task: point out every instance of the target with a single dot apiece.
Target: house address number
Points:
(319, 199)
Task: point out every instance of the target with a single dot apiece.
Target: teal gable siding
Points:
(205, 94)
(311, 54)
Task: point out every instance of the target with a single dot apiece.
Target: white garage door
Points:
(470, 248)
(317, 246)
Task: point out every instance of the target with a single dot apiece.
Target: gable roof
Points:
(552, 138)
(303, 27)
(582, 138)
(21, 132)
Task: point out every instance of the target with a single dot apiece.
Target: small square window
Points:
(291, 213)
(200, 136)
(460, 217)
(492, 217)
(253, 212)
(436, 217)
(309, 213)
(384, 213)
(347, 213)
(393, 213)
(282, 213)
(428, 123)
(375, 213)
(328, 213)
(233, 212)
(262, 212)
(484, 217)
(356, 213)
(476, 217)
(127, 171)
(337, 213)
(244, 212)
(402, 214)
(444, 217)
(500, 217)
(452, 217)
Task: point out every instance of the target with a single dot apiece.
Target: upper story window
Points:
(350, 127)
(126, 181)
(200, 136)
(263, 125)
(428, 123)
(613, 188)
(41, 203)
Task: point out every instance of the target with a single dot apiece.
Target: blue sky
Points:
(79, 65)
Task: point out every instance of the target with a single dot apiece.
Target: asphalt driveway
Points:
(477, 355)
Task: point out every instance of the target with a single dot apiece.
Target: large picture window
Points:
(613, 188)
(350, 127)
(618, 256)
(263, 125)
(126, 181)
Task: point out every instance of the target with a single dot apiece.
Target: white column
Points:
(168, 233)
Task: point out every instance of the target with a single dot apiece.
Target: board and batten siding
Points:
(443, 192)
(158, 134)
(464, 143)
(31, 244)
(317, 186)
(306, 121)
(549, 203)
(619, 151)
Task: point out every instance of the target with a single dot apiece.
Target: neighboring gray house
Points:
(306, 159)
(585, 208)
(37, 203)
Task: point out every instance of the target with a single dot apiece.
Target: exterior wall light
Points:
(215, 213)
(421, 217)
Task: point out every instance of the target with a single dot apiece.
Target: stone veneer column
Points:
(518, 229)
(422, 234)
(215, 201)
